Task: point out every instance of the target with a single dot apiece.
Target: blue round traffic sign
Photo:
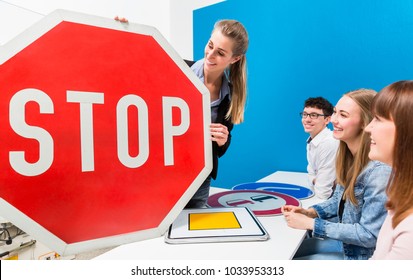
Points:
(296, 191)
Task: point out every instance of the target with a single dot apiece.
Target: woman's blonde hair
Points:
(349, 166)
(237, 72)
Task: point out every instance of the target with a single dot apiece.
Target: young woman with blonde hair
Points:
(223, 71)
(347, 224)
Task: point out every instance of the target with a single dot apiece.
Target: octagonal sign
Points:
(104, 132)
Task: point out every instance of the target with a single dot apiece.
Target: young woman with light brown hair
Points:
(391, 133)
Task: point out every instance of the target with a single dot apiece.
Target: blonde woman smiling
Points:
(346, 225)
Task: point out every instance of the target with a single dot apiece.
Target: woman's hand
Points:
(311, 213)
(219, 133)
(291, 208)
(121, 19)
(298, 220)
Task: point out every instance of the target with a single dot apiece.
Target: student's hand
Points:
(121, 19)
(290, 208)
(298, 220)
(308, 212)
(219, 133)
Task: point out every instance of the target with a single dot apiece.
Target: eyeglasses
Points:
(312, 115)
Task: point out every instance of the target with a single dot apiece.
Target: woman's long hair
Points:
(395, 102)
(349, 166)
(237, 73)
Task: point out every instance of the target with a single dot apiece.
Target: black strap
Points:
(341, 209)
(189, 62)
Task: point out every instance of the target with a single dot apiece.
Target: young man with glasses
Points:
(321, 145)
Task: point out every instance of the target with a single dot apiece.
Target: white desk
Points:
(282, 244)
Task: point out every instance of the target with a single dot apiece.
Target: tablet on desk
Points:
(215, 225)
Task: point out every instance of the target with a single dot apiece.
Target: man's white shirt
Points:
(321, 158)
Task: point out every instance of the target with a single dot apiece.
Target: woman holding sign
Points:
(223, 71)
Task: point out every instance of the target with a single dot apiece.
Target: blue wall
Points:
(302, 48)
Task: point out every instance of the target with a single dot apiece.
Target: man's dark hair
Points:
(320, 103)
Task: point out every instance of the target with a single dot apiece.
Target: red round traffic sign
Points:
(261, 203)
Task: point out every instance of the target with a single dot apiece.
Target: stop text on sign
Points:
(87, 101)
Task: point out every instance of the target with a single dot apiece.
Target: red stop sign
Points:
(104, 132)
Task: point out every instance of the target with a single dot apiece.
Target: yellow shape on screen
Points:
(217, 220)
